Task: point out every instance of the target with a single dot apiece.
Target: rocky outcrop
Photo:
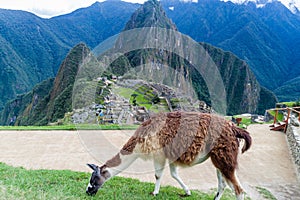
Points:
(60, 97)
(151, 14)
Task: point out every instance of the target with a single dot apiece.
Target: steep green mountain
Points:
(32, 48)
(292, 88)
(18, 108)
(151, 14)
(49, 100)
(60, 97)
(94, 24)
(243, 92)
(266, 38)
(29, 53)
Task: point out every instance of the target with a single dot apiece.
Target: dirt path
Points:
(267, 163)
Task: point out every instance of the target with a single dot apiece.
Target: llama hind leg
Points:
(233, 182)
(227, 168)
(174, 174)
(221, 185)
(235, 185)
(159, 165)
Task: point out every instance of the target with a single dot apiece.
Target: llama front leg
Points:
(174, 174)
(159, 165)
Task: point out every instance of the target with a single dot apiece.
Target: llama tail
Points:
(243, 134)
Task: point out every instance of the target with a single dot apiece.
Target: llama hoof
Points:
(153, 193)
(185, 195)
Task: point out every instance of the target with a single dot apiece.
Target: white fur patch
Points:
(89, 186)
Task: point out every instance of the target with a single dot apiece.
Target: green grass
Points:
(288, 104)
(291, 104)
(141, 99)
(127, 92)
(71, 127)
(279, 116)
(265, 193)
(246, 121)
(124, 92)
(19, 183)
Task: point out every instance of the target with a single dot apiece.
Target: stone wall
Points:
(293, 137)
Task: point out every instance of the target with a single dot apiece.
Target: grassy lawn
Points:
(291, 104)
(246, 121)
(265, 193)
(19, 183)
(141, 99)
(72, 127)
(279, 116)
(127, 92)
(124, 92)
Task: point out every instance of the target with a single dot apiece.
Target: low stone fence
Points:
(293, 138)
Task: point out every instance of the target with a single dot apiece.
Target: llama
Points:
(181, 139)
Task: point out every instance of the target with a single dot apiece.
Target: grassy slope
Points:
(141, 98)
(19, 183)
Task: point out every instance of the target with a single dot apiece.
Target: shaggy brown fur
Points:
(129, 146)
(186, 139)
(182, 135)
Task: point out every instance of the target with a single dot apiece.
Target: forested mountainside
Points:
(243, 92)
(32, 48)
(49, 100)
(267, 38)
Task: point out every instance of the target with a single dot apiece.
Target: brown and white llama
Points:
(183, 139)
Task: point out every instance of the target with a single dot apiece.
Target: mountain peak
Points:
(150, 14)
(69, 67)
(292, 5)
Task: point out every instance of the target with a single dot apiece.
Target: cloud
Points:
(46, 8)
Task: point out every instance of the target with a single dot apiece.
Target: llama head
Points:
(99, 176)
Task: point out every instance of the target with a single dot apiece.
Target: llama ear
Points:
(92, 166)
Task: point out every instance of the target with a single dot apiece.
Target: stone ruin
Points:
(118, 110)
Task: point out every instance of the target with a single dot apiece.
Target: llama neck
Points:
(119, 163)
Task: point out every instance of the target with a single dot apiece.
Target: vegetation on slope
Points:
(51, 99)
(266, 38)
(32, 48)
(32, 100)
(243, 92)
(290, 87)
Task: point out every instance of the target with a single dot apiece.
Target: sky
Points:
(49, 8)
